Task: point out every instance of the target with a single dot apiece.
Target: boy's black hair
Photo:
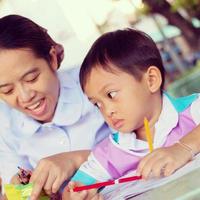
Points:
(129, 50)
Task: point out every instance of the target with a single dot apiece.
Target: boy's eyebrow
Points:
(102, 89)
(105, 86)
(28, 72)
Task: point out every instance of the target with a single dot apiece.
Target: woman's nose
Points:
(25, 94)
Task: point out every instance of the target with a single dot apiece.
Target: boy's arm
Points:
(89, 173)
(193, 140)
(166, 160)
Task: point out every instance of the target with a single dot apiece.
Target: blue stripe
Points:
(84, 178)
(115, 137)
(182, 103)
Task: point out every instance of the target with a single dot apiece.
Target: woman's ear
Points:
(154, 79)
(54, 60)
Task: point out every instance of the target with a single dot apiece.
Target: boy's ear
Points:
(154, 79)
(53, 61)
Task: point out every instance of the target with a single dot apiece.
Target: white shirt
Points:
(76, 125)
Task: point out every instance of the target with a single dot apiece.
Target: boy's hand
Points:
(163, 161)
(69, 194)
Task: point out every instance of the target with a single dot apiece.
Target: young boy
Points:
(123, 76)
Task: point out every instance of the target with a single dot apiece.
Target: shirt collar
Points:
(70, 102)
(168, 119)
(68, 110)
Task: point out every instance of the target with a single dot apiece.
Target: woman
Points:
(43, 112)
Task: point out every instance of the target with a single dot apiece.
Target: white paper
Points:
(124, 190)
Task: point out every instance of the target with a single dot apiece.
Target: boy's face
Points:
(29, 83)
(123, 100)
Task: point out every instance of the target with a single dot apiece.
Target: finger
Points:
(57, 183)
(169, 169)
(35, 174)
(15, 179)
(38, 185)
(143, 163)
(97, 197)
(158, 167)
(91, 193)
(79, 195)
(147, 168)
(65, 193)
(71, 185)
(48, 184)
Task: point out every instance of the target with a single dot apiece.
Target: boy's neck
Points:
(156, 108)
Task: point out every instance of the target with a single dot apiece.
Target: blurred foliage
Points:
(187, 83)
(143, 10)
(187, 4)
(190, 33)
(191, 6)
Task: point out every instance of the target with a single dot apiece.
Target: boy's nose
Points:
(110, 111)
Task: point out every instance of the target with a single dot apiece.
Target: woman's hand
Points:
(163, 161)
(15, 179)
(52, 171)
(69, 194)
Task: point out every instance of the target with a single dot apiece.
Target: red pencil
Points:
(106, 183)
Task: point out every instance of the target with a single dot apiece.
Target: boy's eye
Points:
(112, 94)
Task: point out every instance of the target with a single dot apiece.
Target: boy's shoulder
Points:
(182, 103)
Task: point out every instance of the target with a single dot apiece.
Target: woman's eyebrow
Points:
(24, 75)
(29, 72)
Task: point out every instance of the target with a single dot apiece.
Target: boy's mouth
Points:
(117, 124)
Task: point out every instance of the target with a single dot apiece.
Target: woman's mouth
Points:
(38, 108)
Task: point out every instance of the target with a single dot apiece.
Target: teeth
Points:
(34, 106)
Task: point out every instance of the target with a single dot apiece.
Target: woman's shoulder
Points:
(5, 114)
(71, 75)
(5, 109)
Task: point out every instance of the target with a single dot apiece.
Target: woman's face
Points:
(29, 83)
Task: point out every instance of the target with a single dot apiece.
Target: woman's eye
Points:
(31, 79)
(112, 94)
(98, 105)
(8, 92)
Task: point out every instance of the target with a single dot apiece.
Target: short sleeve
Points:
(195, 110)
(91, 172)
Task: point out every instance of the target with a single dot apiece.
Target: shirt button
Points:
(63, 142)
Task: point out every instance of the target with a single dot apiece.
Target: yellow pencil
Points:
(148, 134)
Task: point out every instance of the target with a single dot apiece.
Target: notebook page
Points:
(130, 189)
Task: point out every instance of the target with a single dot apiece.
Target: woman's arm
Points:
(52, 171)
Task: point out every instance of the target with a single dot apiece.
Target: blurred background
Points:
(173, 24)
